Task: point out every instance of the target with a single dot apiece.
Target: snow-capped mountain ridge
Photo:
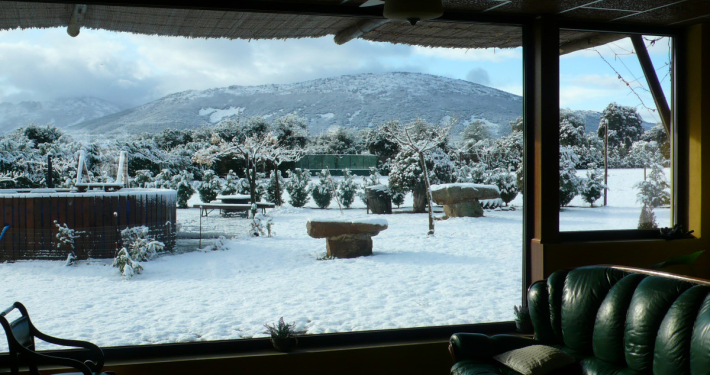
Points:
(351, 101)
(63, 112)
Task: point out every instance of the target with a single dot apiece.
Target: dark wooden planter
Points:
(379, 199)
(285, 344)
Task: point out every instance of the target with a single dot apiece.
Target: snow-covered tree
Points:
(298, 187)
(418, 143)
(291, 131)
(397, 197)
(126, 266)
(593, 186)
(475, 131)
(209, 187)
(624, 125)
(275, 188)
(647, 219)
(569, 182)
(337, 140)
(254, 150)
(140, 245)
(142, 179)
(654, 191)
(372, 180)
(347, 189)
(571, 129)
(182, 182)
(231, 181)
(323, 192)
(506, 183)
(164, 180)
(377, 143)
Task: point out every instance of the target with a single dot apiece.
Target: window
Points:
(190, 114)
(623, 178)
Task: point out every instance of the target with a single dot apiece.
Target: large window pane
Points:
(190, 114)
(620, 179)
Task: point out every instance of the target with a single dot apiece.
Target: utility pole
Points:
(606, 153)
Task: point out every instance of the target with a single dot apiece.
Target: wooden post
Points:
(606, 153)
(652, 79)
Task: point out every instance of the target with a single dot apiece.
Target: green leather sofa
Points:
(614, 321)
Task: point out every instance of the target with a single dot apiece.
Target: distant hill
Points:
(351, 101)
(63, 113)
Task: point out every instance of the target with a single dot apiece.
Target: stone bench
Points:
(463, 199)
(346, 238)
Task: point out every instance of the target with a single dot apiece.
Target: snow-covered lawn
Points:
(469, 272)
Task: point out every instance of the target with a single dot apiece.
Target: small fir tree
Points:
(653, 192)
(506, 183)
(275, 188)
(323, 192)
(347, 189)
(230, 183)
(261, 226)
(182, 182)
(163, 180)
(259, 188)
(126, 265)
(647, 220)
(569, 182)
(143, 179)
(209, 187)
(299, 187)
(397, 197)
(593, 186)
(373, 179)
(140, 245)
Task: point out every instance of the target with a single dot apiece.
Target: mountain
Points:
(351, 101)
(591, 121)
(63, 113)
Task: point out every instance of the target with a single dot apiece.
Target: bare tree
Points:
(254, 150)
(420, 143)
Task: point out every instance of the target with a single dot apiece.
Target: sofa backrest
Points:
(650, 324)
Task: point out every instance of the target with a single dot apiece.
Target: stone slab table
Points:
(347, 237)
(463, 199)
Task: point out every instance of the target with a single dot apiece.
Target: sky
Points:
(129, 70)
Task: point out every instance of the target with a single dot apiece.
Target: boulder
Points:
(349, 245)
(346, 238)
(462, 199)
(325, 228)
(462, 192)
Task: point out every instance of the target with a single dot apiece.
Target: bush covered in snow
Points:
(569, 182)
(209, 187)
(323, 191)
(506, 183)
(592, 187)
(126, 265)
(230, 184)
(139, 244)
(298, 187)
(275, 188)
(347, 189)
(182, 182)
(261, 225)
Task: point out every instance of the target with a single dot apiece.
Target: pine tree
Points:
(653, 192)
(593, 186)
(230, 183)
(398, 197)
(647, 220)
(569, 182)
(299, 187)
(506, 183)
(274, 190)
(347, 189)
(182, 182)
(373, 179)
(259, 185)
(323, 192)
(143, 179)
(209, 187)
(163, 180)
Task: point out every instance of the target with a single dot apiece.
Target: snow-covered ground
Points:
(468, 272)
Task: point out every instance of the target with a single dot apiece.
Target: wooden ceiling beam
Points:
(590, 42)
(357, 30)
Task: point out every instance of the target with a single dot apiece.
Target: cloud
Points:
(479, 75)
(483, 54)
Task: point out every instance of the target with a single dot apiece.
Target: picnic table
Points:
(207, 208)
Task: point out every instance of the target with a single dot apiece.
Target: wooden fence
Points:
(96, 217)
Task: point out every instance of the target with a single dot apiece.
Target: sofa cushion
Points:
(651, 301)
(535, 359)
(608, 339)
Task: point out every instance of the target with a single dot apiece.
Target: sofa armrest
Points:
(463, 346)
